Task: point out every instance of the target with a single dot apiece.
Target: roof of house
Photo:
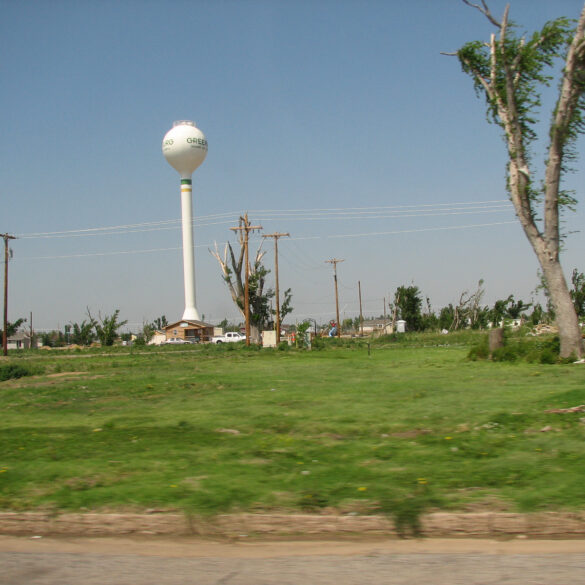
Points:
(19, 336)
(188, 323)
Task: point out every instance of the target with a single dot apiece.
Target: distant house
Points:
(378, 327)
(190, 330)
(20, 340)
(158, 337)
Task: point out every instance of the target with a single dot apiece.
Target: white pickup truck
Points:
(229, 337)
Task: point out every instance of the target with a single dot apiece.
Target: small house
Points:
(158, 338)
(190, 330)
(20, 340)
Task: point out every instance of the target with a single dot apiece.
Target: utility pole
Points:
(276, 236)
(5, 237)
(246, 228)
(335, 261)
(361, 314)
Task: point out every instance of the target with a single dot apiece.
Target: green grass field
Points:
(400, 429)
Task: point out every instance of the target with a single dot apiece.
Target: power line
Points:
(298, 238)
(349, 213)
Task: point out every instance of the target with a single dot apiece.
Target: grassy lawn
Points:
(398, 430)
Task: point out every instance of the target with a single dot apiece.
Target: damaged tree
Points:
(507, 71)
(233, 270)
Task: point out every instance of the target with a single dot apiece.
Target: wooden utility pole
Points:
(32, 332)
(277, 293)
(361, 314)
(5, 237)
(335, 261)
(246, 228)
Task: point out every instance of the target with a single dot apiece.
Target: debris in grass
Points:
(546, 429)
(229, 431)
(580, 408)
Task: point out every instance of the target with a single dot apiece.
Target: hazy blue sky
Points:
(337, 121)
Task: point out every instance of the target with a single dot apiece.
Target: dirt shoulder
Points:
(238, 527)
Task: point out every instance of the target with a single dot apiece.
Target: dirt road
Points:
(191, 561)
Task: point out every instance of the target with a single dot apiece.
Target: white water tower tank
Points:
(185, 147)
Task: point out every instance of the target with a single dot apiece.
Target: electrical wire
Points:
(349, 213)
(365, 234)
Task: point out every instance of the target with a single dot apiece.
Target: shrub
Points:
(317, 343)
(505, 354)
(12, 371)
(481, 351)
(547, 356)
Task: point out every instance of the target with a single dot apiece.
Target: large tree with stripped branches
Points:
(234, 274)
(511, 71)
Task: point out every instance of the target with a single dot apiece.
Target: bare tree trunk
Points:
(255, 336)
(565, 314)
(504, 87)
(496, 339)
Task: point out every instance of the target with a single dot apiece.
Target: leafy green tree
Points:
(516, 309)
(286, 307)
(408, 302)
(53, 338)
(498, 311)
(83, 333)
(578, 292)
(160, 323)
(429, 320)
(106, 328)
(302, 333)
(537, 316)
(447, 317)
(147, 332)
(12, 328)
(510, 72)
(260, 311)
(228, 326)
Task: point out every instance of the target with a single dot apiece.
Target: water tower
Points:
(185, 147)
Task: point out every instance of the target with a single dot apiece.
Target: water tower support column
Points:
(191, 312)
